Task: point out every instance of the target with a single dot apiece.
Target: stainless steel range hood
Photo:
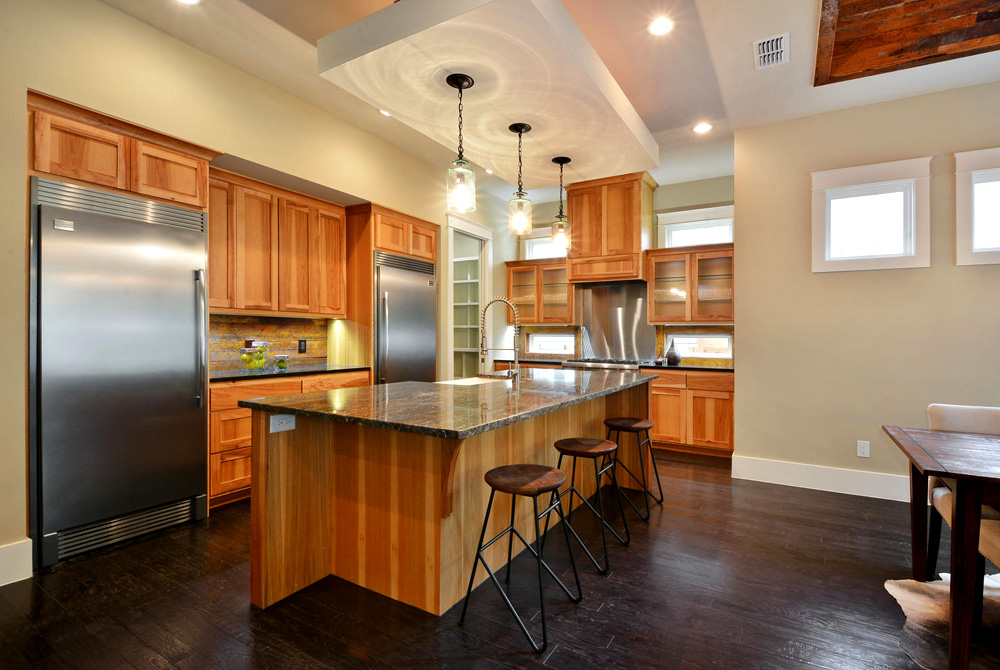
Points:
(614, 321)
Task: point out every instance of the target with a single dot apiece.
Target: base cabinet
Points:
(692, 411)
(229, 431)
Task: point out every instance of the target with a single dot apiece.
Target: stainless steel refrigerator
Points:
(118, 357)
(405, 320)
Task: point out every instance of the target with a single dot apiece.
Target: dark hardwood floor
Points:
(727, 574)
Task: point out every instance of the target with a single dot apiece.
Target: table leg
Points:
(918, 522)
(964, 562)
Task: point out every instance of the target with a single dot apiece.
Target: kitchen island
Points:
(383, 485)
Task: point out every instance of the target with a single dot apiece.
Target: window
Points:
(558, 344)
(710, 225)
(539, 245)
(977, 207)
(872, 217)
(702, 346)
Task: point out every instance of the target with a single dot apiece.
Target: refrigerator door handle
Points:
(384, 368)
(201, 328)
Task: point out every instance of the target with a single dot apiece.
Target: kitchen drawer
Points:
(225, 395)
(229, 429)
(229, 471)
(337, 380)
(667, 380)
(710, 381)
(624, 266)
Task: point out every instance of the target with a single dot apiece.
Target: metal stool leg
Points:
(510, 539)
(656, 473)
(475, 561)
(541, 590)
(610, 467)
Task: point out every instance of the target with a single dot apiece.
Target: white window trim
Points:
(692, 216)
(917, 170)
(543, 233)
(967, 163)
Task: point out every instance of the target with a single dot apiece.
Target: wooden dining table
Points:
(973, 461)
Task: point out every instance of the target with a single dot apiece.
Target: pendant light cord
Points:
(560, 192)
(461, 151)
(520, 189)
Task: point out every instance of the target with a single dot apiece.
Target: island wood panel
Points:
(356, 346)
(397, 513)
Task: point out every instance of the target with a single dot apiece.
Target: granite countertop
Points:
(454, 411)
(235, 374)
(706, 368)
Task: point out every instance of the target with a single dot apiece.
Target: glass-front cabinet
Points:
(541, 291)
(690, 285)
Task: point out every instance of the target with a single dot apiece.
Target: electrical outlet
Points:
(282, 422)
(302, 346)
(864, 449)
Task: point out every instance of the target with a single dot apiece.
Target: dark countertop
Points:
(706, 368)
(236, 374)
(453, 411)
(547, 361)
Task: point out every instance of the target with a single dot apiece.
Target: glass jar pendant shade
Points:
(519, 207)
(560, 229)
(461, 181)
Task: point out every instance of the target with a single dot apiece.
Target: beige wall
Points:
(85, 52)
(825, 359)
(693, 194)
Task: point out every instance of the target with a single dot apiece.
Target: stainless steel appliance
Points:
(405, 320)
(118, 357)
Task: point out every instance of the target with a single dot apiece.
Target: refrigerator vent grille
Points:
(93, 536)
(403, 263)
(71, 196)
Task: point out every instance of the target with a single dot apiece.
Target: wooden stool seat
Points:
(627, 425)
(585, 447)
(525, 479)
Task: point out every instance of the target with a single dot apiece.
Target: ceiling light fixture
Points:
(702, 128)
(384, 113)
(189, 2)
(461, 179)
(489, 171)
(519, 207)
(661, 26)
(560, 229)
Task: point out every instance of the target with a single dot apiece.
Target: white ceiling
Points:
(702, 70)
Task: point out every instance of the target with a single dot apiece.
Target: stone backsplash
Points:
(226, 335)
(694, 329)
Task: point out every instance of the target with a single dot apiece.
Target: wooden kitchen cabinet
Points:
(171, 175)
(692, 411)
(541, 291)
(328, 262)
(256, 249)
(221, 244)
(229, 429)
(612, 222)
(78, 150)
(690, 285)
(398, 233)
(293, 256)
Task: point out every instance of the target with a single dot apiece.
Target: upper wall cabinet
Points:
(541, 292)
(398, 233)
(690, 285)
(84, 146)
(273, 251)
(611, 223)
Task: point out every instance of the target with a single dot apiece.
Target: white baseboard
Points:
(15, 561)
(822, 478)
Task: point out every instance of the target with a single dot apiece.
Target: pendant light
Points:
(461, 179)
(519, 207)
(560, 229)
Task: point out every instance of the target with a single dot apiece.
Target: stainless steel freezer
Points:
(118, 370)
(405, 320)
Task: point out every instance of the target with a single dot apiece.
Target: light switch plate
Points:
(282, 422)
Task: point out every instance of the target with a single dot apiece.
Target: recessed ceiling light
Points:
(489, 171)
(661, 26)
(702, 127)
(384, 113)
(189, 2)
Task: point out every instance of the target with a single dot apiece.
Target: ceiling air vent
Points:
(770, 52)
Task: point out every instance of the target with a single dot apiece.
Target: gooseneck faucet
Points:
(515, 369)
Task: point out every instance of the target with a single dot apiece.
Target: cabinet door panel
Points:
(229, 429)
(423, 242)
(622, 222)
(328, 263)
(667, 410)
(79, 151)
(600, 268)
(167, 174)
(556, 295)
(294, 270)
(710, 419)
(584, 210)
(229, 471)
(390, 234)
(669, 282)
(522, 290)
(221, 244)
(256, 249)
(712, 286)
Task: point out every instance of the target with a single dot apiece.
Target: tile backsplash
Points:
(226, 335)
(662, 333)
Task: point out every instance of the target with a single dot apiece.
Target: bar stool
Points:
(529, 481)
(594, 449)
(638, 426)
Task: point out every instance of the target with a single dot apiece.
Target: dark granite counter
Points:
(705, 368)
(454, 410)
(292, 371)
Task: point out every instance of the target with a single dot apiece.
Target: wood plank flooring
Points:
(728, 574)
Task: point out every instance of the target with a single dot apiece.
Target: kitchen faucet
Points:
(515, 369)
